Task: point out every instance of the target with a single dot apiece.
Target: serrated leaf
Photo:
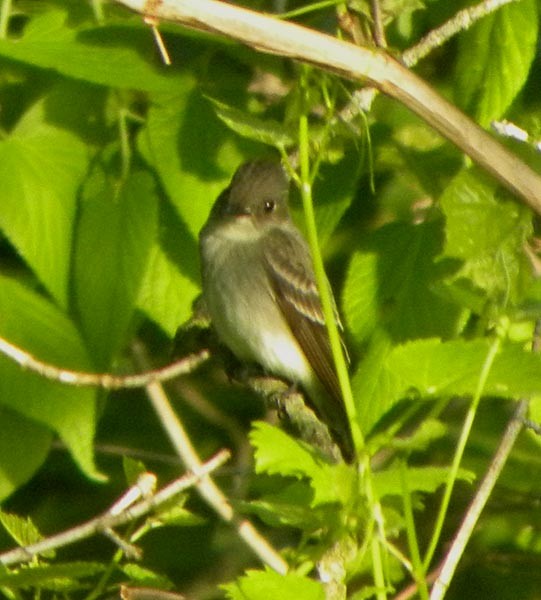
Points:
(58, 576)
(41, 167)
(116, 230)
(393, 277)
(494, 59)
(262, 585)
(21, 529)
(431, 368)
(35, 325)
(24, 446)
(487, 233)
(120, 56)
(420, 479)
(247, 125)
(278, 453)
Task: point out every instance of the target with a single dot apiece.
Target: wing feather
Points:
(289, 265)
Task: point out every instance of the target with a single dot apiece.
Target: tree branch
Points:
(269, 35)
(108, 381)
(476, 507)
(119, 514)
(207, 489)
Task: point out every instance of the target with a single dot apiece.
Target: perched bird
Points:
(260, 292)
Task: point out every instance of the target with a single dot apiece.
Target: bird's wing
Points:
(289, 265)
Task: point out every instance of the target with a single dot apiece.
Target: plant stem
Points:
(5, 13)
(338, 354)
(466, 429)
(321, 279)
(476, 507)
(419, 573)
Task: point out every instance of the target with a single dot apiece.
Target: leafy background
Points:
(109, 163)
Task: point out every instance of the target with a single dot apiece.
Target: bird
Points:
(259, 289)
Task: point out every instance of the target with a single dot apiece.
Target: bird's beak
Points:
(238, 211)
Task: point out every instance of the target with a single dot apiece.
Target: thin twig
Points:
(378, 31)
(104, 380)
(465, 530)
(208, 490)
(463, 20)
(160, 44)
(267, 34)
(476, 507)
(111, 519)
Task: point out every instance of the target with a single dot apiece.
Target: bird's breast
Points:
(245, 315)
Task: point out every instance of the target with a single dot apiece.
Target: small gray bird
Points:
(260, 292)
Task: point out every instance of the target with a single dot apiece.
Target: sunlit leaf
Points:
(262, 585)
(41, 166)
(494, 60)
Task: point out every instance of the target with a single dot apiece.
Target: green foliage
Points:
(258, 585)
(41, 167)
(109, 164)
(495, 58)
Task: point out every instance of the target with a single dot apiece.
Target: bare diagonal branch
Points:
(114, 517)
(267, 34)
(108, 381)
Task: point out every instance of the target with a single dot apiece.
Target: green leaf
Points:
(374, 387)
(41, 166)
(35, 325)
(334, 190)
(133, 469)
(494, 59)
(59, 576)
(166, 294)
(24, 446)
(427, 432)
(360, 295)
(171, 281)
(193, 153)
(22, 530)
(247, 125)
(290, 506)
(487, 233)
(116, 230)
(263, 585)
(195, 157)
(120, 56)
(391, 281)
(145, 577)
(432, 368)
(420, 479)
(176, 516)
(278, 453)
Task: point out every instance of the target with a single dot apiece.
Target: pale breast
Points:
(245, 315)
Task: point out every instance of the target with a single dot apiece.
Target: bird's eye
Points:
(268, 206)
